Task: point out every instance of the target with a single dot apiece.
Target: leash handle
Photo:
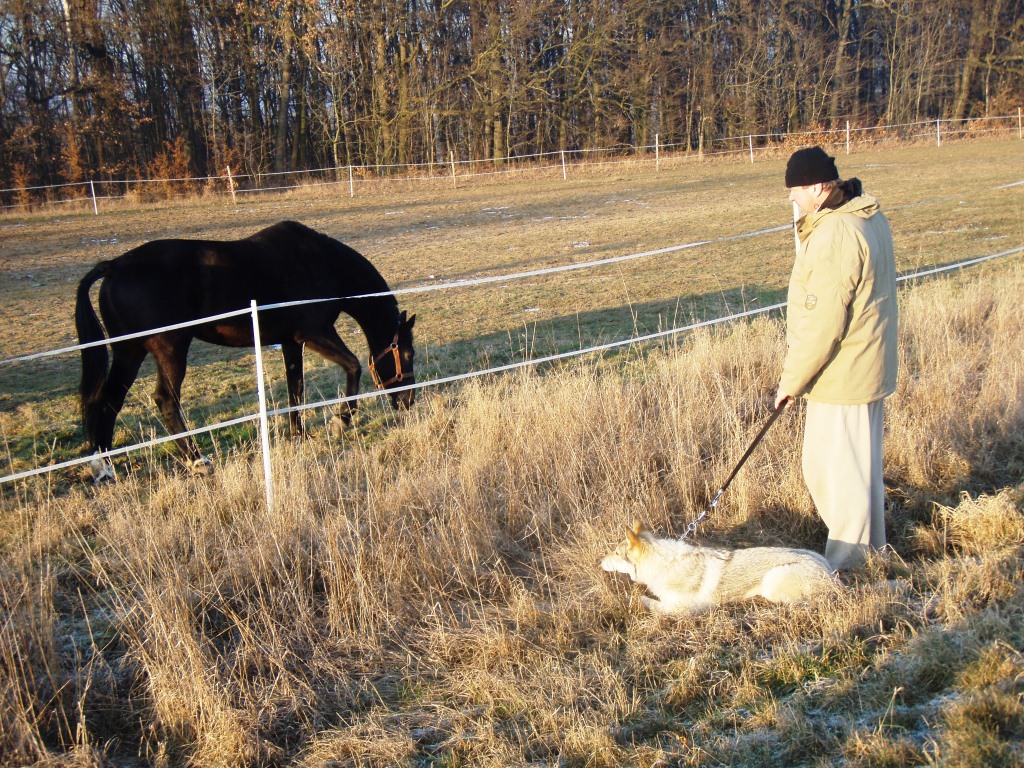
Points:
(692, 527)
(743, 459)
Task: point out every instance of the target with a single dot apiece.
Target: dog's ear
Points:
(638, 527)
(633, 539)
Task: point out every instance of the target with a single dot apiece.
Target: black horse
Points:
(166, 282)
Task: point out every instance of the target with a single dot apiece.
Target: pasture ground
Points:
(425, 591)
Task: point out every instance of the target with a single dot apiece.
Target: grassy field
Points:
(425, 591)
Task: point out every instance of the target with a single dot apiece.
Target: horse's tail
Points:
(95, 363)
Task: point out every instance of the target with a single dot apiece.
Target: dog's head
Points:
(626, 556)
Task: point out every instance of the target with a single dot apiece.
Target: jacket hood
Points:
(844, 192)
(847, 198)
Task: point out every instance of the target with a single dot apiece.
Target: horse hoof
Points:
(202, 467)
(102, 471)
(338, 425)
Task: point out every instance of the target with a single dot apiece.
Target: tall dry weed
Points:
(960, 403)
(30, 667)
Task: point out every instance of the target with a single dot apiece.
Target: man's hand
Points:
(783, 397)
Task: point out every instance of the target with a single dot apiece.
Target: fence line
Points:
(472, 374)
(621, 342)
(364, 174)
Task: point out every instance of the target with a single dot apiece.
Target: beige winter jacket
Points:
(841, 313)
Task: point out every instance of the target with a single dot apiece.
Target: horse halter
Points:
(392, 349)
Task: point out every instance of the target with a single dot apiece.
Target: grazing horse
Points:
(166, 282)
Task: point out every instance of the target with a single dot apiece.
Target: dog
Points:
(689, 579)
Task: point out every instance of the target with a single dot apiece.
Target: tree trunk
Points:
(983, 13)
(839, 74)
(284, 91)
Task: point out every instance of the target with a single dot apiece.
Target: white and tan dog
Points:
(688, 579)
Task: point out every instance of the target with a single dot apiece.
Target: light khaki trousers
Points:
(842, 464)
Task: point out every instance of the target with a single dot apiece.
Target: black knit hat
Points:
(810, 166)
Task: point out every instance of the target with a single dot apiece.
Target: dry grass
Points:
(425, 591)
(428, 595)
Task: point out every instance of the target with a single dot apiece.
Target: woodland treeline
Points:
(107, 89)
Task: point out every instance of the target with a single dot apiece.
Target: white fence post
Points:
(564, 177)
(938, 132)
(847, 137)
(451, 159)
(750, 139)
(268, 480)
(1020, 126)
(231, 186)
(351, 188)
(657, 154)
(92, 193)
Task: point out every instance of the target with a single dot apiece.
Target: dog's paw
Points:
(653, 604)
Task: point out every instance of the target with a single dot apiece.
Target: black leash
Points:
(692, 527)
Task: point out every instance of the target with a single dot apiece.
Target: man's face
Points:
(807, 199)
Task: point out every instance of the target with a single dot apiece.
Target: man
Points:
(841, 356)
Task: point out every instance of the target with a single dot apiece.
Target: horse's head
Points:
(393, 366)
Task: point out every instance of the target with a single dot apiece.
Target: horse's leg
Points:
(292, 352)
(126, 358)
(328, 344)
(171, 354)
